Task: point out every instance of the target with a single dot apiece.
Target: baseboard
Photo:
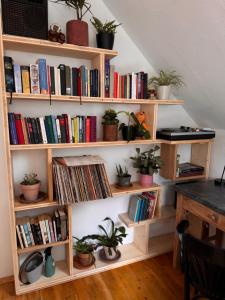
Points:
(7, 279)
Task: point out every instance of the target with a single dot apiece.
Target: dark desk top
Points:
(206, 193)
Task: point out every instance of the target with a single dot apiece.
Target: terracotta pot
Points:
(77, 32)
(105, 40)
(85, 259)
(146, 180)
(107, 254)
(30, 192)
(110, 133)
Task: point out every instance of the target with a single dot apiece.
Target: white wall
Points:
(88, 215)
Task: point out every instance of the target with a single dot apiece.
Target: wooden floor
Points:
(152, 279)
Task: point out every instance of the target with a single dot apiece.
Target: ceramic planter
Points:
(124, 180)
(129, 133)
(110, 132)
(146, 180)
(85, 259)
(105, 40)
(34, 269)
(107, 253)
(77, 33)
(30, 192)
(163, 92)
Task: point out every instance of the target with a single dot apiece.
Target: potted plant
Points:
(142, 129)
(110, 125)
(129, 130)
(30, 187)
(109, 241)
(164, 82)
(105, 33)
(83, 252)
(148, 164)
(77, 30)
(123, 176)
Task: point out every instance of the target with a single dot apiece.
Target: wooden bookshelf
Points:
(40, 247)
(142, 247)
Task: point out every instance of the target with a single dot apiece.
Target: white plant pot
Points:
(107, 254)
(163, 92)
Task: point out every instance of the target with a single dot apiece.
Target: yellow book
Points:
(25, 79)
(75, 130)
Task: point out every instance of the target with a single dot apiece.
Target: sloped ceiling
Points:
(189, 37)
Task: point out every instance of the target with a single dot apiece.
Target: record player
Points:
(185, 133)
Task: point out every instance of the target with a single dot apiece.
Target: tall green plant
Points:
(166, 78)
(107, 27)
(147, 162)
(81, 6)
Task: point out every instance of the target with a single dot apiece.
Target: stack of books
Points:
(189, 169)
(129, 86)
(40, 78)
(42, 229)
(51, 129)
(142, 207)
(79, 179)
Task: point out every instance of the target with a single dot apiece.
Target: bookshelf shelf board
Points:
(187, 142)
(61, 275)
(39, 247)
(135, 188)
(99, 100)
(18, 206)
(24, 44)
(187, 178)
(129, 254)
(81, 145)
(166, 213)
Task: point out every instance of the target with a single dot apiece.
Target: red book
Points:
(19, 129)
(65, 116)
(93, 137)
(79, 83)
(122, 86)
(115, 84)
(88, 130)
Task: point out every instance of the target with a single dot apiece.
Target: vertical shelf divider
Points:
(50, 177)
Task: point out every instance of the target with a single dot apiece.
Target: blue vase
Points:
(49, 269)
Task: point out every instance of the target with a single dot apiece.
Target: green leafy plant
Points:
(81, 6)
(166, 78)
(30, 179)
(110, 117)
(121, 172)
(107, 27)
(82, 247)
(109, 239)
(147, 162)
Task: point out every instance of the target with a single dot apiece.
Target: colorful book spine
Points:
(9, 76)
(68, 80)
(19, 129)
(43, 78)
(17, 78)
(34, 79)
(25, 79)
(12, 129)
(107, 78)
(62, 71)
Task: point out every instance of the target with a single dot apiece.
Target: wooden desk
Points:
(204, 200)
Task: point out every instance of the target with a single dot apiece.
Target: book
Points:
(9, 75)
(12, 129)
(52, 81)
(25, 74)
(68, 80)
(62, 72)
(75, 81)
(19, 129)
(34, 79)
(17, 78)
(43, 78)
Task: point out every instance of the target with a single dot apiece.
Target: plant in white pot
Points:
(148, 164)
(30, 187)
(77, 29)
(109, 240)
(164, 82)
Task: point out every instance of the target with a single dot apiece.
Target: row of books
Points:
(40, 78)
(51, 129)
(130, 86)
(142, 207)
(42, 229)
(78, 179)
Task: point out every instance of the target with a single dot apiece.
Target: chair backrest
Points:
(205, 267)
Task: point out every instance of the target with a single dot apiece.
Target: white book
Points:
(17, 78)
(34, 79)
(58, 131)
(31, 234)
(59, 81)
(24, 236)
(42, 231)
(70, 129)
(51, 231)
(43, 131)
(54, 230)
(56, 81)
(19, 237)
(48, 231)
(133, 85)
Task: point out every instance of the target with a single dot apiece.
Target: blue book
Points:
(141, 210)
(12, 129)
(137, 211)
(43, 78)
(17, 78)
(80, 129)
(25, 227)
(54, 128)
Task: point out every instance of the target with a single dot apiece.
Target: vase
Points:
(129, 133)
(110, 253)
(85, 259)
(124, 180)
(146, 180)
(105, 40)
(110, 133)
(163, 92)
(77, 33)
(30, 192)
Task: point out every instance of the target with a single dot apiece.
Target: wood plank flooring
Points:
(152, 279)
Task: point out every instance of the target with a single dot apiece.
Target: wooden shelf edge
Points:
(18, 206)
(135, 188)
(187, 178)
(39, 247)
(100, 100)
(166, 213)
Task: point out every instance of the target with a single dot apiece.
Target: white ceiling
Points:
(189, 37)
